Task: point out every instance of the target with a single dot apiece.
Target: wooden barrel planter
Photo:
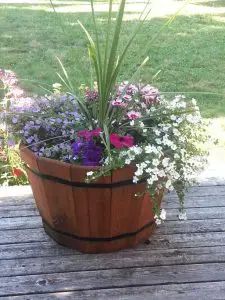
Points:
(102, 216)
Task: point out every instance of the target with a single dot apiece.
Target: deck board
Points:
(184, 260)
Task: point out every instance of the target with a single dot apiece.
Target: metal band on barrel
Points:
(84, 184)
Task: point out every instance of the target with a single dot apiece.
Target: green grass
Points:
(190, 53)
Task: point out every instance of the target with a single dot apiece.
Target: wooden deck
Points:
(184, 260)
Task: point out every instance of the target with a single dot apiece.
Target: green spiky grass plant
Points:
(107, 62)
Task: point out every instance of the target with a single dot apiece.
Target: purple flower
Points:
(92, 154)
(88, 152)
(11, 143)
(77, 147)
(14, 120)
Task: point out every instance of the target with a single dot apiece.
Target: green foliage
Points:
(11, 168)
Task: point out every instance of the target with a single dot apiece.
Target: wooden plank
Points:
(34, 249)
(16, 201)
(172, 213)
(18, 211)
(198, 213)
(205, 191)
(35, 243)
(124, 259)
(192, 226)
(198, 202)
(185, 291)
(169, 227)
(20, 222)
(22, 236)
(84, 280)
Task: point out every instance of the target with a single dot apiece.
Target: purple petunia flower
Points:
(77, 147)
(88, 151)
(92, 154)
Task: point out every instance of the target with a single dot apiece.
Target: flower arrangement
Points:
(112, 125)
(162, 138)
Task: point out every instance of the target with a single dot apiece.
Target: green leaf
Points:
(65, 74)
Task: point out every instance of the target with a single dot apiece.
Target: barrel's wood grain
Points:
(71, 214)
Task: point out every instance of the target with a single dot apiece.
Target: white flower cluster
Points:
(171, 151)
(161, 217)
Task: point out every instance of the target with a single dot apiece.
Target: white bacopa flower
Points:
(137, 150)
(150, 181)
(135, 179)
(90, 173)
(139, 172)
(179, 120)
(141, 124)
(155, 162)
(154, 178)
(161, 173)
(143, 165)
(182, 139)
(157, 220)
(163, 214)
(157, 132)
(165, 161)
(176, 132)
(173, 117)
(148, 170)
(193, 101)
(148, 149)
(132, 123)
(168, 184)
(131, 156)
(173, 147)
(182, 216)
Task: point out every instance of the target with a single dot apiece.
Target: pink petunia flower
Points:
(88, 134)
(118, 102)
(149, 94)
(133, 115)
(119, 141)
(127, 97)
(96, 131)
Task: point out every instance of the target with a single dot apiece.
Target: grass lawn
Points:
(190, 54)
